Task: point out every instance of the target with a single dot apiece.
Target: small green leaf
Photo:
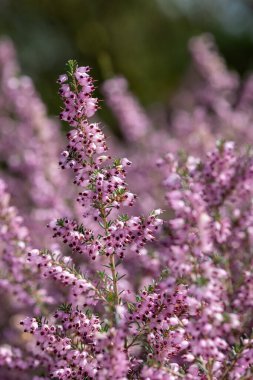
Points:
(201, 281)
(60, 222)
(65, 307)
(110, 297)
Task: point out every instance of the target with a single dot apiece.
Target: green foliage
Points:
(71, 66)
(201, 281)
(39, 320)
(60, 222)
(65, 307)
(123, 218)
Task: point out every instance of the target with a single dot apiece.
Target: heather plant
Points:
(22, 292)
(208, 248)
(18, 280)
(88, 336)
(140, 298)
(215, 104)
(189, 322)
(30, 145)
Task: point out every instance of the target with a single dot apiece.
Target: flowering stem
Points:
(130, 344)
(169, 370)
(230, 367)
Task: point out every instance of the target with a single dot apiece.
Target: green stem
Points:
(115, 280)
(209, 367)
(130, 344)
(116, 300)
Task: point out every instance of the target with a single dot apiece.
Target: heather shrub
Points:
(136, 291)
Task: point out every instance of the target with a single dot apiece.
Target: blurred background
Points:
(145, 40)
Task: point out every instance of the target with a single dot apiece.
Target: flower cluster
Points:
(30, 144)
(205, 197)
(102, 179)
(17, 280)
(133, 121)
(161, 314)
